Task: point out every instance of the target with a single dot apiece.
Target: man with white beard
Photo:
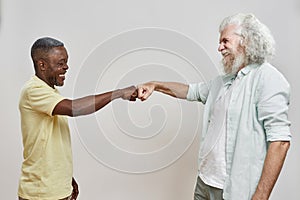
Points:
(246, 135)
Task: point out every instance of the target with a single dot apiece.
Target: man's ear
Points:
(243, 42)
(41, 65)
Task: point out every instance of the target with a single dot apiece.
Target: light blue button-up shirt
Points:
(257, 114)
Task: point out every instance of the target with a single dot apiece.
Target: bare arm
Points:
(174, 89)
(75, 191)
(273, 163)
(93, 103)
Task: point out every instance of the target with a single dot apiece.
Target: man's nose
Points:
(221, 47)
(66, 66)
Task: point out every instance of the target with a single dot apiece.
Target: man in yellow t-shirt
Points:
(47, 169)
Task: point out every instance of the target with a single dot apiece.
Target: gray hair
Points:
(259, 42)
(42, 46)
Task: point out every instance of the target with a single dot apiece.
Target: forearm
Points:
(93, 103)
(174, 89)
(90, 104)
(273, 164)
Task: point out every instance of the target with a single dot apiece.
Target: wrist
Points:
(259, 195)
(156, 85)
(116, 94)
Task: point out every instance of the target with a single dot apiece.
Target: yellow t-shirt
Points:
(47, 167)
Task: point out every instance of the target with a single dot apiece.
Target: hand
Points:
(129, 93)
(75, 190)
(145, 90)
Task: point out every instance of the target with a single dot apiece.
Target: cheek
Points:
(239, 48)
(53, 71)
(50, 69)
(234, 52)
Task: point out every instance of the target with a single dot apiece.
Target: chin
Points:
(59, 84)
(227, 68)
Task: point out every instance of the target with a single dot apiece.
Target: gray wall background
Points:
(83, 26)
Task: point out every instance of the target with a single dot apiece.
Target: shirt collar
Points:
(244, 71)
(229, 78)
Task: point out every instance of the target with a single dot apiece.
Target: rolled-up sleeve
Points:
(198, 92)
(272, 106)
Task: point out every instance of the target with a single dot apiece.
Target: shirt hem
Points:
(209, 183)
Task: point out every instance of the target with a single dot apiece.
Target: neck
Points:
(241, 67)
(43, 78)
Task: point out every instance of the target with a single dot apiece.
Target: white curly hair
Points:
(259, 42)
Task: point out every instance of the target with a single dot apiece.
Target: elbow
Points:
(71, 114)
(72, 109)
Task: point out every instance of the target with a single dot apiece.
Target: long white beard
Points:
(232, 66)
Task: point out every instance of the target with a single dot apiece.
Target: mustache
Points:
(225, 52)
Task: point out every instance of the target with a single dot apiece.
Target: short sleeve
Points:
(43, 99)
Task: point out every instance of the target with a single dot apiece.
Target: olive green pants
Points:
(206, 192)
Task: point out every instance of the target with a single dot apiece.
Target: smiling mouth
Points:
(225, 54)
(62, 75)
